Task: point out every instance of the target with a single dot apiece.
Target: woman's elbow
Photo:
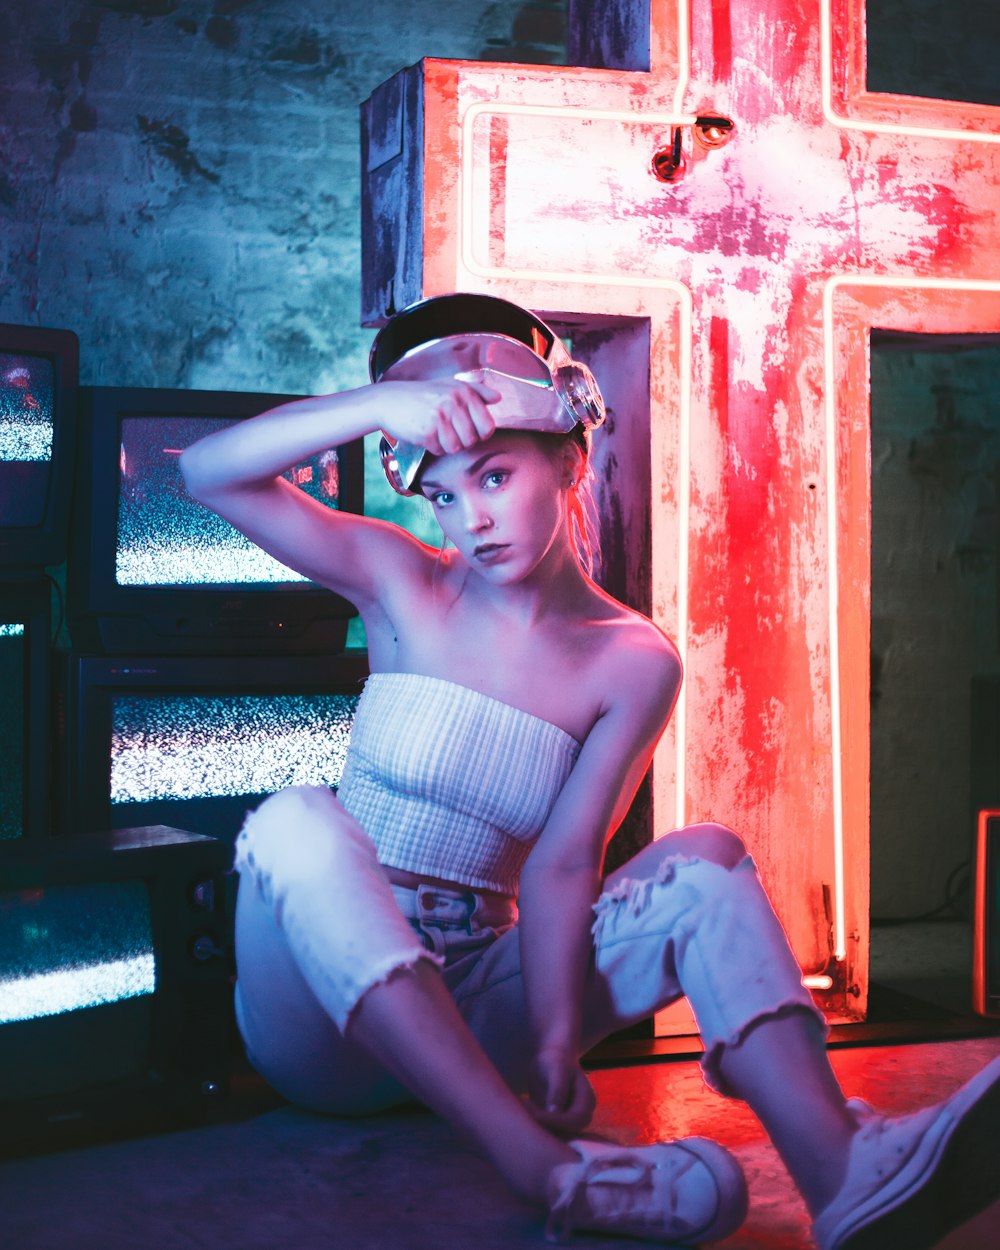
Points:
(557, 872)
(194, 472)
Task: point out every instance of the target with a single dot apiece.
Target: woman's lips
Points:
(487, 553)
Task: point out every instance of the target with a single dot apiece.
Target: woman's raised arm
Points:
(237, 473)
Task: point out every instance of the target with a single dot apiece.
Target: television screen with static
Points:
(153, 571)
(196, 742)
(73, 948)
(39, 371)
(27, 425)
(115, 996)
(166, 538)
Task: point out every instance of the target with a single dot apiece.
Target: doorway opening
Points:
(935, 689)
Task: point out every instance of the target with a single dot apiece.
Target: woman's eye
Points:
(496, 477)
(441, 498)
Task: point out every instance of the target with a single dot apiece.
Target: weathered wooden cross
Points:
(722, 279)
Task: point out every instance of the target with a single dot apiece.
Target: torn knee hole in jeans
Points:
(635, 894)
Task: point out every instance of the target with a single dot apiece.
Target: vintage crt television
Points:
(153, 572)
(986, 922)
(25, 738)
(115, 990)
(196, 741)
(39, 371)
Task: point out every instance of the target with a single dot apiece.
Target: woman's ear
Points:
(572, 464)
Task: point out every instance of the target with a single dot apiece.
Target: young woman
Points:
(512, 711)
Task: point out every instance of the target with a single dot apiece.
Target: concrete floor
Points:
(929, 960)
(269, 1177)
(280, 1179)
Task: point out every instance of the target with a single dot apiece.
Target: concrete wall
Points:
(179, 180)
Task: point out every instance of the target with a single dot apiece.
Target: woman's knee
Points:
(302, 833)
(708, 841)
(717, 843)
(289, 809)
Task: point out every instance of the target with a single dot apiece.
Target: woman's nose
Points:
(477, 517)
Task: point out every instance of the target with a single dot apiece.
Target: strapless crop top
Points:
(449, 782)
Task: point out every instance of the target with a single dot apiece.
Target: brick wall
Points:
(179, 180)
(180, 185)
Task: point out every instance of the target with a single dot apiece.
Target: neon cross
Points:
(760, 269)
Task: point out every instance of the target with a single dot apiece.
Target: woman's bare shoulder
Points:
(640, 665)
(629, 632)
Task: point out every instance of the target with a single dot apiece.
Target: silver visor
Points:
(549, 396)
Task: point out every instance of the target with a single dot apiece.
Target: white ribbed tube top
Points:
(449, 782)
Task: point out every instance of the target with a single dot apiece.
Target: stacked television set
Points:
(39, 372)
(153, 572)
(204, 673)
(25, 720)
(200, 676)
(196, 741)
(114, 986)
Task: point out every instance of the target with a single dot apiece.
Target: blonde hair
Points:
(584, 526)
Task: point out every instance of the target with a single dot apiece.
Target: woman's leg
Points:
(807, 1118)
(688, 916)
(411, 1025)
(303, 859)
(679, 1192)
(872, 1181)
(342, 1008)
(290, 1039)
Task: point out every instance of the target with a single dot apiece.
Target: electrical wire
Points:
(958, 885)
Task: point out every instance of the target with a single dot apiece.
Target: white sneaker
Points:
(682, 1192)
(912, 1179)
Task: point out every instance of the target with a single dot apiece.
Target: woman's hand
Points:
(444, 415)
(561, 1096)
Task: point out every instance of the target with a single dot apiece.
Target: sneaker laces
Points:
(892, 1136)
(626, 1179)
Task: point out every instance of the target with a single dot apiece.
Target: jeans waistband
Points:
(466, 911)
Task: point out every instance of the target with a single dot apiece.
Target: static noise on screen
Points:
(171, 745)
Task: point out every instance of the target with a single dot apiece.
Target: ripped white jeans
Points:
(318, 924)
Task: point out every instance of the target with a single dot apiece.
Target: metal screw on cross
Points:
(709, 131)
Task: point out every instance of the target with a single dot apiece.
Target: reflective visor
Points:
(480, 338)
